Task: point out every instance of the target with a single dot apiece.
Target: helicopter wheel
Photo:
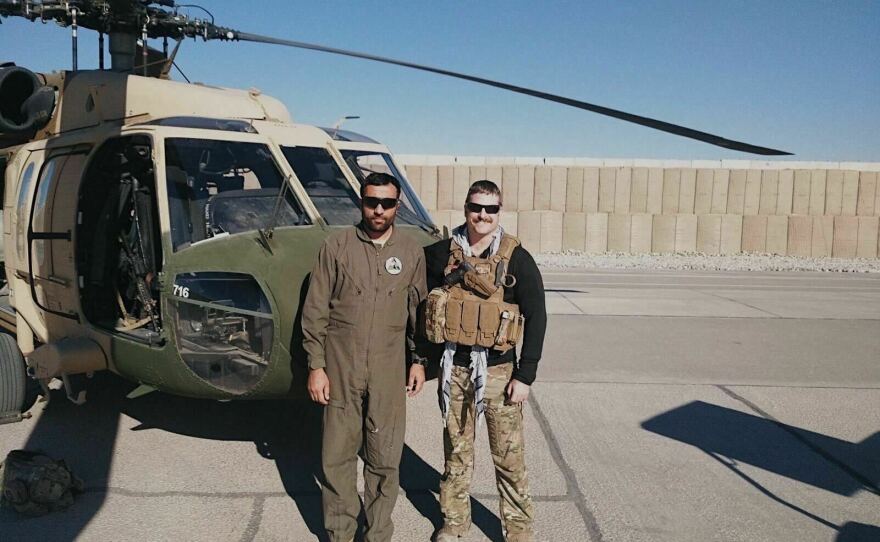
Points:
(18, 393)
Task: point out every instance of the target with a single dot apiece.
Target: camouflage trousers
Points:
(507, 444)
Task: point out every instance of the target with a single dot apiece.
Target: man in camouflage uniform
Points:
(478, 381)
(358, 323)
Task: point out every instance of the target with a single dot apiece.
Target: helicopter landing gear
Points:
(18, 393)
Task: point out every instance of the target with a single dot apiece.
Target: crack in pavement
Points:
(253, 526)
(572, 486)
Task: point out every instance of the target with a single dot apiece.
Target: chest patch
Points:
(393, 265)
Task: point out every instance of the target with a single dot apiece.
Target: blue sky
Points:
(802, 76)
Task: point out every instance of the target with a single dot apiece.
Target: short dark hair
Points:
(380, 179)
(484, 187)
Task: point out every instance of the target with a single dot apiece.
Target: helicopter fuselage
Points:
(165, 232)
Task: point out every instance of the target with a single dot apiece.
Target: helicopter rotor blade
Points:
(629, 117)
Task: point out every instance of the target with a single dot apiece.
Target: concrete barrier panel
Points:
(685, 233)
(663, 235)
(574, 190)
(818, 180)
(687, 191)
(850, 193)
(800, 235)
(834, 192)
(731, 234)
(510, 187)
(846, 236)
(543, 188)
(736, 191)
(823, 236)
(495, 174)
(752, 201)
(476, 173)
(709, 234)
(640, 233)
(461, 182)
(800, 204)
(877, 197)
(428, 187)
(786, 192)
(619, 232)
(655, 191)
(529, 228)
(703, 195)
(638, 199)
(622, 190)
(591, 190)
(574, 231)
(526, 188)
(867, 193)
(414, 176)
(671, 190)
(607, 178)
(551, 231)
(445, 187)
(446, 218)
(597, 232)
(510, 223)
(866, 246)
(777, 234)
(720, 185)
(769, 192)
(754, 234)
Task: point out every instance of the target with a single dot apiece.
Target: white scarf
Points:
(479, 355)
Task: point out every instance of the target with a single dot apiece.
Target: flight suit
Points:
(358, 323)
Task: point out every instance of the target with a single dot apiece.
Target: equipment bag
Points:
(34, 484)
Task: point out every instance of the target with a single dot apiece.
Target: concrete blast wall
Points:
(640, 206)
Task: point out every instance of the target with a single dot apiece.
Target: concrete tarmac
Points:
(669, 406)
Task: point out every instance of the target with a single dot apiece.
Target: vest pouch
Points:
(470, 314)
(452, 328)
(435, 315)
(490, 319)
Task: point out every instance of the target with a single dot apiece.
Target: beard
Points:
(378, 225)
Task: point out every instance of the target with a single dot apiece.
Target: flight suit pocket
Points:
(397, 308)
(490, 319)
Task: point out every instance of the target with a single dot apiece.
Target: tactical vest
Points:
(471, 310)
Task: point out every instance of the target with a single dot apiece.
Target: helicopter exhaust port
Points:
(26, 104)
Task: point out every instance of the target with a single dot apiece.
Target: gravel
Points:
(704, 262)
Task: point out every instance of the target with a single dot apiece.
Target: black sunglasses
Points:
(476, 208)
(371, 202)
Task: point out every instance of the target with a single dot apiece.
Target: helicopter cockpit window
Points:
(223, 187)
(224, 328)
(362, 163)
(325, 184)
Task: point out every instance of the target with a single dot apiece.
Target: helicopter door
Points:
(51, 221)
(119, 254)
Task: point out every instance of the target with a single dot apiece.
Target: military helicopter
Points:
(163, 230)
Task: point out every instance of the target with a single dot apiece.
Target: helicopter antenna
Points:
(73, 38)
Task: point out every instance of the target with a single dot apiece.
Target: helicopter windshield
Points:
(223, 187)
(362, 163)
(325, 184)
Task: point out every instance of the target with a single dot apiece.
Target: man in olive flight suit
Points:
(358, 323)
